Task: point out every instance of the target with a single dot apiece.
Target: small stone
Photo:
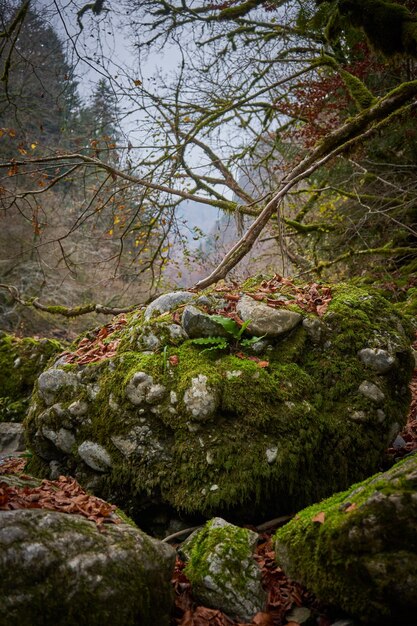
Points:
(64, 440)
(112, 403)
(173, 398)
(381, 415)
(48, 433)
(149, 341)
(371, 391)
(358, 416)
(314, 328)
(167, 302)
(265, 320)
(78, 408)
(176, 332)
(198, 324)
(200, 398)
(209, 458)
(271, 454)
(300, 615)
(380, 361)
(214, 487)
(138, 387)
(52, 382)
(233, 374)
(398, 443)
(155, 394)
(127, 445)
(95, 456)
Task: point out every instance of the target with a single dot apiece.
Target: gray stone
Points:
(265, 320)
(380, 361)
(64, 440)
(155, 394)
(198, 324)
(200, 400)
(62, 569)
(225, 575)
(371, 391)
(149, 341)
(168, 302)
(138, 387)
(398, 443)
(315, 329)
(176, 332)
(271, 454)
(11, 438)
(53, 382)
(299, 614)
(78, 408)
(95, 456)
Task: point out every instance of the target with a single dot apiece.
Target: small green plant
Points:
(234, 339)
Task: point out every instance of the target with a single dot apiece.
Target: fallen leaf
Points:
(174, 360)
(319, 518)
(351, 507)
(263, 619)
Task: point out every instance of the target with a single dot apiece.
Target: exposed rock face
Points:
(362, 557)
(207, 431)
(222, 570)
(59, 569)
(21, 362)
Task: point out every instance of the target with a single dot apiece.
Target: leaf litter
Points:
(64, 495)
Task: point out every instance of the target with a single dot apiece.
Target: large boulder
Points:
(358, 549)
(60, 570)
(201, 426)
(21, 362)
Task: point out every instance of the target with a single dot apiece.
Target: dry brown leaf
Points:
(263, 619)
(319, 518)
(351, 507)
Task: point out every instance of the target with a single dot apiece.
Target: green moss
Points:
(342, 559)
(230, 544)
(21, 361)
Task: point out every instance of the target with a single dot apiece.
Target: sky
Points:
(104, 47)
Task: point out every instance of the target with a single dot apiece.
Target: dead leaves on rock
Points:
(311, 297)
(64, 495)
(99, 347)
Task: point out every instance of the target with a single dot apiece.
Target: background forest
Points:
(294, 123)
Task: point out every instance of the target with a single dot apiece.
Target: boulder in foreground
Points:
(358, 549)
(60, 570)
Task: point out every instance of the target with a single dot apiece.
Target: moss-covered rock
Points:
(222, 571)
(21, 362)
(60, 570)
(358, 549)
(202, 430)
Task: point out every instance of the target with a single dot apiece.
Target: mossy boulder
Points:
(202, 427)
(358, 549)
(222, 570)
(21, 362)
(60, 570)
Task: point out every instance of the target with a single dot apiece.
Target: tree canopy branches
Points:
(265, 95)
